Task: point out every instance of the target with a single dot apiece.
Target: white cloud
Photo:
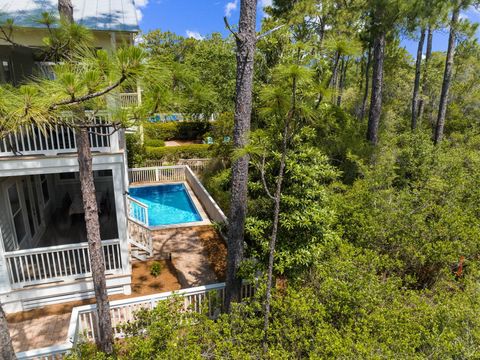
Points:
(194, 34)
(263, 4)
(139, 5)
(231, 6)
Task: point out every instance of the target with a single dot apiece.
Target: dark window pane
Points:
(46, 195)
(14, 199)
(19, 226)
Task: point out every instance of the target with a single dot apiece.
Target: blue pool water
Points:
(167, 204)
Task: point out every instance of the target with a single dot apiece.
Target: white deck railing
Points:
(129, 100)
(84, 324)
(139, 233)
(122, 311)
(55, 352)
(137, 211)
(53, 139)
(37, 266)
(140, 236)
(157, 174)
(197, 165)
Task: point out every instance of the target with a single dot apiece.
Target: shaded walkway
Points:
(48, 325)
(186, 247)
(193, 250)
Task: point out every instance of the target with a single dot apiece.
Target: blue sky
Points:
(191, 17)
(198, 18)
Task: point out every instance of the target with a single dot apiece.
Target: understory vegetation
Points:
(377, 251)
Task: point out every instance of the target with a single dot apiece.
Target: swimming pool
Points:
(167, 204)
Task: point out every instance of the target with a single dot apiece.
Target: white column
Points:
(4, 280)
(120, 207)
(113, 40)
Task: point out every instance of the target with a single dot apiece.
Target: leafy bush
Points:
(172, 153)
(188, 130)
(135, 150)
(155, 269)
(154, 143)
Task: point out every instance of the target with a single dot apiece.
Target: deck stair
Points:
(140, 239)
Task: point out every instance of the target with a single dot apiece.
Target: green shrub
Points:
(135, 150)
(172, 153)
(155, 269)
(188, 130)
(162, 131)
(154, 142)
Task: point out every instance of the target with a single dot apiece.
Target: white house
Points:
(44, 256)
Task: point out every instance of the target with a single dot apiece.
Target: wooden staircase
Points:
(140, 239)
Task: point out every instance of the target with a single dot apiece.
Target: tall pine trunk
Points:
(416, 84)
(103, 337)
(276, 216)
(447, 77)
(246, 42)
(341, 85)
(333, 79)
(273, 238)
(428, 55)
(377, 87)
(6, 347)
(367, 82)
(65, 9)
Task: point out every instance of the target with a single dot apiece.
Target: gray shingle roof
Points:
(113, 15)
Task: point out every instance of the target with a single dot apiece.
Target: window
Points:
(5, 72)
(103, 173)
(46, 195)
(17, 213)
(67, 177)
(45, 69)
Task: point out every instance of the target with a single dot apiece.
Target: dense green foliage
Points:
(171, 153)
(135, 150)
(185, 130)
(154, 142)
(377, 250)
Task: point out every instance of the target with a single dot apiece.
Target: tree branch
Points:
(8, 37)
(225, 20)
(75, 101)
(266, 33)
(262, 174)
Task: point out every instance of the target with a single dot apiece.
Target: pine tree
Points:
(246, 43)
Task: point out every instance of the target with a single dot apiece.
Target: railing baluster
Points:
(27, 132)
(10, 268)
(21, 269)
(51, 137)
(58, 139)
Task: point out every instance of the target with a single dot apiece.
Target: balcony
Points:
(128, 99)
(52, 140)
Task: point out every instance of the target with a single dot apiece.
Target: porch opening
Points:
(43, 226)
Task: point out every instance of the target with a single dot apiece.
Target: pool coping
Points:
(196, 202)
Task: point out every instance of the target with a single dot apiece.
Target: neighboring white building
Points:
(44, 256)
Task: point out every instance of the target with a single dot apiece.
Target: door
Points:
(31, 205)
(18, 214)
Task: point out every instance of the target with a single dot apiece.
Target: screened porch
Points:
(43, 228)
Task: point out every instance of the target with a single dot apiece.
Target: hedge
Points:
(169, 153)
(186, 130)
(154, 142)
